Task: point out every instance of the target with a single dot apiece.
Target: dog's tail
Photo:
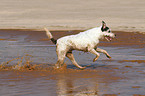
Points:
(50, 36)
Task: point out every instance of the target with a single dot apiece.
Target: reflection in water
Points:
(69, 86)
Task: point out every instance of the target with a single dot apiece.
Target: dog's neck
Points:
(96, 33)
(101, 33)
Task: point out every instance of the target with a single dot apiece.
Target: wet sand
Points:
(27, 59)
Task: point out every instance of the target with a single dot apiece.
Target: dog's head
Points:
(107, 34)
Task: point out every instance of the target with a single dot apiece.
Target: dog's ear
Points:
(103, 26)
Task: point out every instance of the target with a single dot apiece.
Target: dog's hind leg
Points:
(60, 61)
(71, 57)
(103, 51)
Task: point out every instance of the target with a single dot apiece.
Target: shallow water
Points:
(27, 60)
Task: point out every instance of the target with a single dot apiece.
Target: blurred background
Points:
(124, 15)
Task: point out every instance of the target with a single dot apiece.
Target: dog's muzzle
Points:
(109, 38)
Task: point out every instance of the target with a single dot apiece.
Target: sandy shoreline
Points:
(83, 14)
(65, 28)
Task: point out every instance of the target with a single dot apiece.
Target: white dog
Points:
(86, 41)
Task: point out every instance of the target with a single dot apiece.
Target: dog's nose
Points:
(115, 35)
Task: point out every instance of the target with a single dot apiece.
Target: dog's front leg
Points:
(103, 51)
(93, 51)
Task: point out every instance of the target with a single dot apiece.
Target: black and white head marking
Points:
(108, 35)
(105, 28)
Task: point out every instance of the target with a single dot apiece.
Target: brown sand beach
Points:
(124, 15)
(27, 56)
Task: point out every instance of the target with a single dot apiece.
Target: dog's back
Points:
(81, 40)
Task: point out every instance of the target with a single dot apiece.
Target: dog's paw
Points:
(56, 66)
(108, 56)
(82, 68)
(95, 59)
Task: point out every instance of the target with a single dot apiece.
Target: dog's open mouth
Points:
(108, 38)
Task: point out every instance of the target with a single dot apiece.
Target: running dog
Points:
(86, 41)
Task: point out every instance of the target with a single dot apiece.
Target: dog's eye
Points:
(109, 31)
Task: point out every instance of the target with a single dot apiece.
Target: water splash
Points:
(25, 63)
(22, 63)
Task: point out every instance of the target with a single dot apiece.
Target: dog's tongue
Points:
(108, 38)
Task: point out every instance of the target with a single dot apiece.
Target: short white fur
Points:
(86, 41)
